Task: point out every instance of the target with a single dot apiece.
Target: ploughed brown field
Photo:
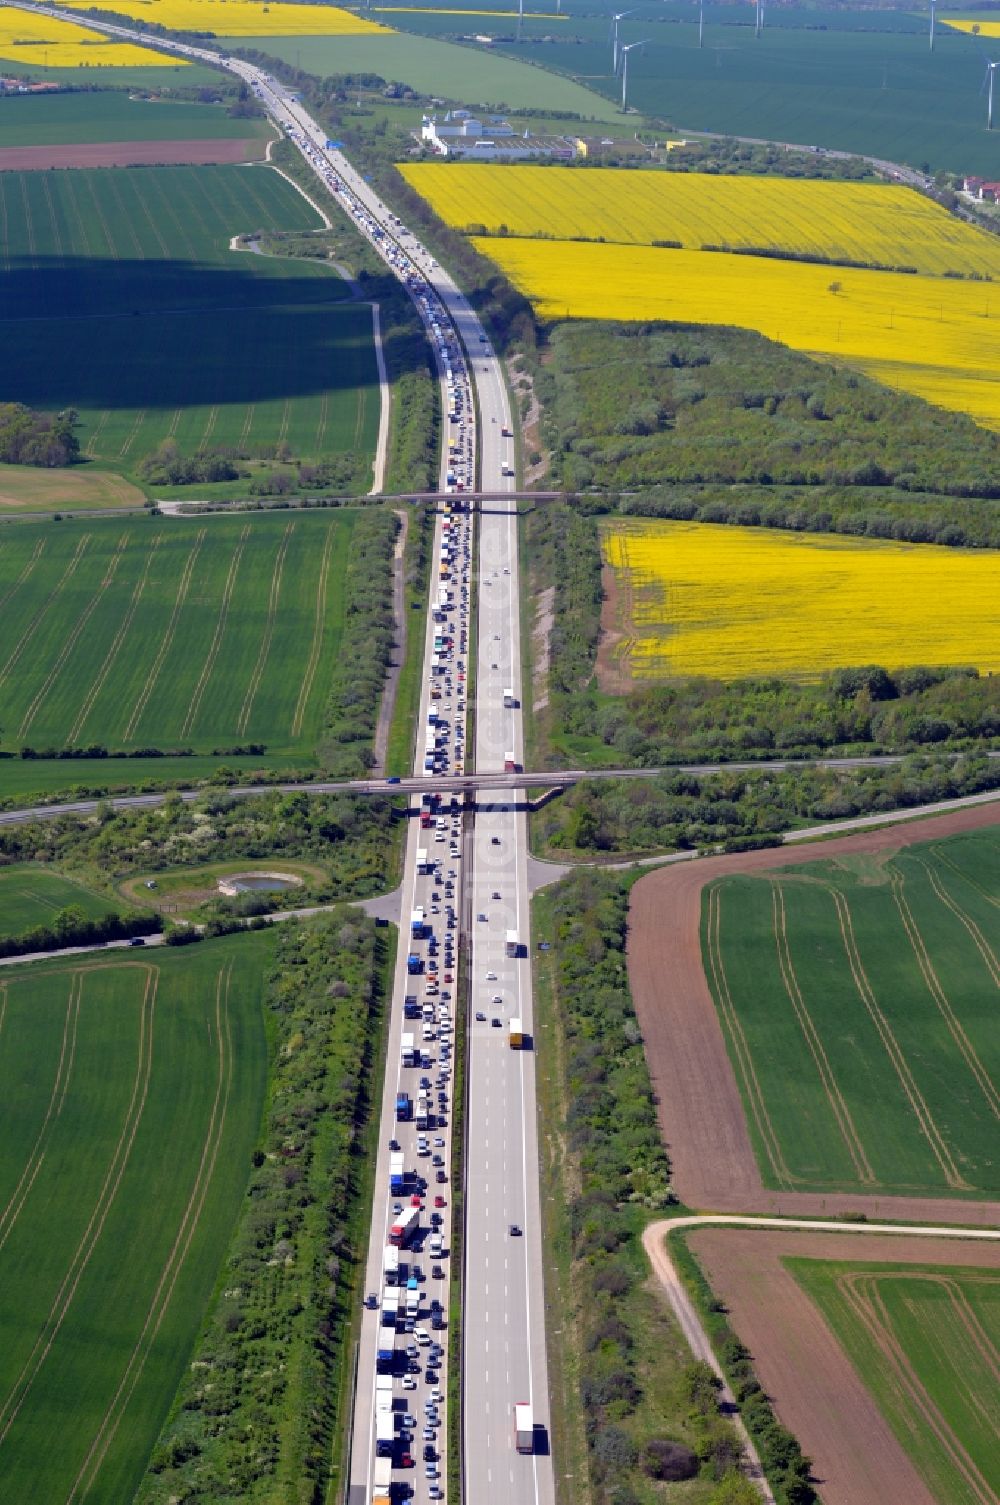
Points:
(131, 154)
(700, 1109)
(801, 1365)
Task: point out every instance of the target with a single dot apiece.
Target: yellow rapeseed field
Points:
(427, 10)
(45, 42)
(731, 602)
(937, 338)
(984, 26)
(246, 18)
(866, 222)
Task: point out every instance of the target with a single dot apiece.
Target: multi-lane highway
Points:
(399, 1440)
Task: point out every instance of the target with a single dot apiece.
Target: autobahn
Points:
(504, 1348)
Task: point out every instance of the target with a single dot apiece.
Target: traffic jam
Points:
(410, 1308)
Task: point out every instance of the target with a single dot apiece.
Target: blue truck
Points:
(404, 1107)
(414, 964)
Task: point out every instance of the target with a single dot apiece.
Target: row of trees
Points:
(71, 927)
(613, 1175)
(255, 1417)
(736, 809)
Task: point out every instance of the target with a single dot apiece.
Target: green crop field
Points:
(130, 1097)
(859, 1006)
(31, 896)
(926, 1342)
(469, 74)
(171, 633)
(110, 115)
(856, 83)
(189, 76)
(114, 278)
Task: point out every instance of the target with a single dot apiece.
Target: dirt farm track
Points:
(700, 1109)
(130, 154)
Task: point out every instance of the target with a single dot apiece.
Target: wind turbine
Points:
(619, 16)
(520, 17)
(991, 69)
(758, 25)
(933, 4)
(625, 53)
(701, 23)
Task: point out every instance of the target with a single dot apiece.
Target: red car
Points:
(448, 977)
(439, 1201)
(415, 1201)
(406, 1461)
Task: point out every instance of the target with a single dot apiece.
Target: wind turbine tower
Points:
(625, 53)
(619, 16)
(520, 17)
(701, 23)
(933, 12)
(991, 69)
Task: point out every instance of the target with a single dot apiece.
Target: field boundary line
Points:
(937, 992)
(36, 620)
(73, 637)
(870, 1310)
(754, 1091)
(268, 633)
(220, 628)
(3, 1004)
(247, 424)
(980, 942)
(115, 647)
(841, 1112)
(33, 1164)
(29, 565)
(319, 624)
(183, 586)
(105, 1200)
(182, 1242)
(918, 1103)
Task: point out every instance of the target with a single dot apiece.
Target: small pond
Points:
(258, 883)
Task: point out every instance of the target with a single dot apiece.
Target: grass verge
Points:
(416, 563)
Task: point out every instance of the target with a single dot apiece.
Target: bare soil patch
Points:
(613, 676)
(813, 1385)
(699, 1104)
(131, 154)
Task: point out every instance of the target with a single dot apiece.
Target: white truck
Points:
(512, 946)
(382, 1482)
(524, 1428)
(406, 1049)
(385, 1432)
